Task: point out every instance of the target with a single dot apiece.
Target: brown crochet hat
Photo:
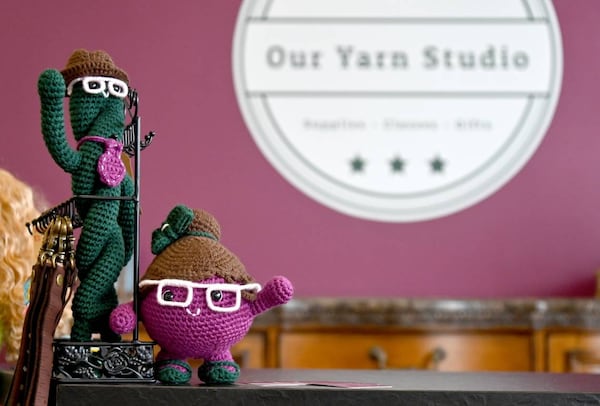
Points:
(92, 63)
(192, 251)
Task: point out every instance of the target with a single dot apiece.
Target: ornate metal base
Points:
(101, 361)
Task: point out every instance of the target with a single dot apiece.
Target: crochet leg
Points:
(95, 297)
(99, 223)
(102, 324)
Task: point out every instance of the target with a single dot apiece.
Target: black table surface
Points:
(404, 387)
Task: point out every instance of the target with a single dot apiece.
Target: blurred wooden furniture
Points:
(544, 335)
(574, 351)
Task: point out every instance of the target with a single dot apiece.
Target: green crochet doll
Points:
(97, 89)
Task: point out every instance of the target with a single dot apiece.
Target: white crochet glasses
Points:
(179, 293)
(101, 84)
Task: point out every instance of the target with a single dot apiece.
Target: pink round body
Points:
(187, 327)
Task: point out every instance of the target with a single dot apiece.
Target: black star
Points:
(357, 164)
(397, 164)
(437, 164)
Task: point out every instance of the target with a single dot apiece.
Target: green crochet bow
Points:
(174, 227)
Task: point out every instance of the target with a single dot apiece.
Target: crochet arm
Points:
(277, 291)
(123, 319)
(51, 89)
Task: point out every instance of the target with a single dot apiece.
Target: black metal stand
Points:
(93, 361)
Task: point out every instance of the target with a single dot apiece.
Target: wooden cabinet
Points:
(574, 351)
(460, 351)
(251, 351)
(554, 335)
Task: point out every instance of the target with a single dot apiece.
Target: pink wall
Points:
(537, 236)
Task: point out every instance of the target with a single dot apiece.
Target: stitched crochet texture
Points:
(188, 250)
(106, 241)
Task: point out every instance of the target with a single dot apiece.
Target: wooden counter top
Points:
(461, 313)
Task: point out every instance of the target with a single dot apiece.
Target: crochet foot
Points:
(219, 372)
(173, 372)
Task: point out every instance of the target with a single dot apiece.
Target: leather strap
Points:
(53, 275)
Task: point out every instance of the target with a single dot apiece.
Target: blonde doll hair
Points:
(17, 256)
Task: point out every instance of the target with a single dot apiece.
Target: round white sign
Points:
(397, 110)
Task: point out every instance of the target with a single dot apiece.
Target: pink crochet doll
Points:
(196, 299)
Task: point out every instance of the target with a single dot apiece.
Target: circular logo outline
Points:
(401, 207)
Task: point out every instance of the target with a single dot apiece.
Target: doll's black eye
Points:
(168, 296)
(117, 88)
(216, 295)
(94, 85)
